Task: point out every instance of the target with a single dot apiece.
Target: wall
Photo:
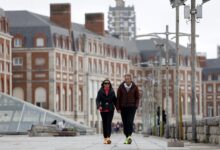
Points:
(208, 130)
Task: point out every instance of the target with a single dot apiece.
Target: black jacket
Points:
(106, 101)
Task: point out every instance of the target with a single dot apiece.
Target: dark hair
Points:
(106, 80)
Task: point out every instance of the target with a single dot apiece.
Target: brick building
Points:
(149, 55)
(60, 64)
(211, 87)
(5, 55)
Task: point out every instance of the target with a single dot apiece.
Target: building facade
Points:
(5, 55)
(59, 65)
(122, 21)
(152, 76)
(211, 87)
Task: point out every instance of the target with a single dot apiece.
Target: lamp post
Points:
(193, 65)
(176, 4)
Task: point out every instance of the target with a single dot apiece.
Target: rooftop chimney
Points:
(61, 14)
(95, 22)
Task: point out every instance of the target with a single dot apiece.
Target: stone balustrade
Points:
(208, 130)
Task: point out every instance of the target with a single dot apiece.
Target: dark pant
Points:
(127, 115)
(107, 123)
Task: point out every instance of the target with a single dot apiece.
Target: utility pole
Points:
(177, 73)
(193, 65)
(167, 82)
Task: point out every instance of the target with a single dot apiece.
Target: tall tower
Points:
(218, 51)
(122, 21)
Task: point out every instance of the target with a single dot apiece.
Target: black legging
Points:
(107, 123)
(127, 115)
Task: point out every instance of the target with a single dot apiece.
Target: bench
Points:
(50, 130)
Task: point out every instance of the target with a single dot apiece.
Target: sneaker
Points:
(105, 141)
(109, 141)
(126, 141)
(129, 140)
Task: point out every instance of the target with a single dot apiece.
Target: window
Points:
(112, 69)
(70, 100)
(209, 88)
(218, 88)
(219, 77)
(210, 111)
(80, 106)
(118, 70)
(64, 99)
(40, 42)
(64, 44)
(99, 69)
(1, 48)
(58, 61)
(90, 67)
(124, 70)
(64, 62)
(57, 98)
(39, 61)
(95, 67)
(80, 65)
(181, 76)
(218, 110)
(189, 77)
(18, 92)
(91, 106)
(209, 77)
(17, 42)
(70, 63)
(106, 69)
(197, 106)
(40, 96)
(17, 61)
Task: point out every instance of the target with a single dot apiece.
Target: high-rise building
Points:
(121, 21)
(218, 51)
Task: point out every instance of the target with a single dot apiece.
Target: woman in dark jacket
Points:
(105, 102)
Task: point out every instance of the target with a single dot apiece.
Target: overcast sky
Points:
(151, 16)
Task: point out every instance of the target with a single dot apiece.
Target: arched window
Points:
(40, 96)
(18, 92)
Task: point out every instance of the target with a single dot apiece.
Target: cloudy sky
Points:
(152, 16)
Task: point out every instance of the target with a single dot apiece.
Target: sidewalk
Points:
(94, 142)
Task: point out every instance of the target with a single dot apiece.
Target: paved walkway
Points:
(93, 142)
